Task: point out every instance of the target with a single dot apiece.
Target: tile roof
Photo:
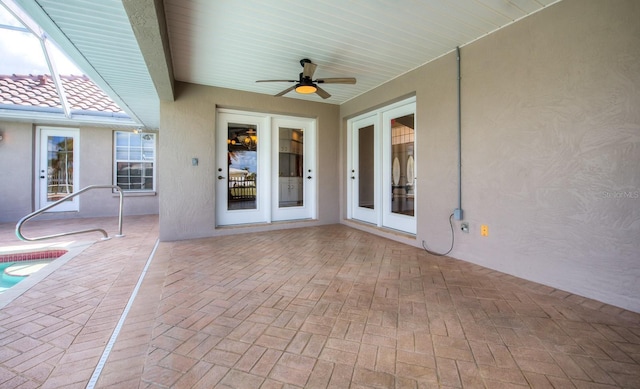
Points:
(40, 91)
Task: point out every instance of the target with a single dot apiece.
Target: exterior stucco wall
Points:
(96, 168)
(550, 149)
(16, 171)
(188, 124)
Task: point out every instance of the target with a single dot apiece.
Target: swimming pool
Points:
(17, 267)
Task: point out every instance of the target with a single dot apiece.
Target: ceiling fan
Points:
(305, 84)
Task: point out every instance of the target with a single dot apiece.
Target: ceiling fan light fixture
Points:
(306, 89)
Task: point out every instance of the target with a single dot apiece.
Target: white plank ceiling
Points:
(233, 43)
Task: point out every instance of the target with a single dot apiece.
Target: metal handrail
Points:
(41, 210)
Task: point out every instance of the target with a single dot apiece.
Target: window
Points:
(135, 155)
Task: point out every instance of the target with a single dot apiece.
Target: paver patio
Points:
(318, 307)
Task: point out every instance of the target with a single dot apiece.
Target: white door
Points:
(398, 168)
(243, 169)
(294, 170)
(363, 180)
(58, 171)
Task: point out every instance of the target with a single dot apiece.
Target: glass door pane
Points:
(366, 167)
(290, 167)
(242, 169)
(59, 167)
(402, 157)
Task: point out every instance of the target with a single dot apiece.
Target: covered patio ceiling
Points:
(136, 49)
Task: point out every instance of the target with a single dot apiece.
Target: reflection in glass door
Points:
(58, 172)
(290, 167)
(402, 151)
(242, 169)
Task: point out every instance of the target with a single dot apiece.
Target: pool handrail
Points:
(42, 210)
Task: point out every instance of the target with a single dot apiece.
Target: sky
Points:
(22, 53)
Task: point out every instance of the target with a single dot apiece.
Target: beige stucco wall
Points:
(96, 168)
(551, 149)
(16, 171)
(187, 204)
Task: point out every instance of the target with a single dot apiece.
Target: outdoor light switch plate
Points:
(484, 230)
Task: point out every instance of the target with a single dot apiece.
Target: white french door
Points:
(293, 167)
(398, 168)
(57, 166)
(265, 168)
(364, 164)
(381, 188)
(243, 167)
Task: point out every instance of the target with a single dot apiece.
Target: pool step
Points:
(18, 271)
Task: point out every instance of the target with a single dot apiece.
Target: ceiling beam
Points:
(147, 20)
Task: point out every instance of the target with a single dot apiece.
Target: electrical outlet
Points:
(484, 230)
(464, 226)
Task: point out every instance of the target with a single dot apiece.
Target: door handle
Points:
(41, 176)
(308, 177)
(220, 177)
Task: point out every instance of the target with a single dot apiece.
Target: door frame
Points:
(40, 168)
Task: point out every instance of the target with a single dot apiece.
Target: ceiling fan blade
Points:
(322, 93)
(284, 92)
(309, 69)
(277, 81)
(343, 80)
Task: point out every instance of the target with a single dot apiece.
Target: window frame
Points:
(152, 161)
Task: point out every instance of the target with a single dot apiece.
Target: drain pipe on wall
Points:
(457, 213)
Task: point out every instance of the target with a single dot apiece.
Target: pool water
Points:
(13, 272)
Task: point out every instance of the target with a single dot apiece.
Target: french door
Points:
(382, 172)
(293, 167)
(398, 168)
(57, 172)
(364, 180)
(265, 168)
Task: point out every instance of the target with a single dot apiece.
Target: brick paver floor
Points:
(318, 307)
